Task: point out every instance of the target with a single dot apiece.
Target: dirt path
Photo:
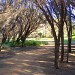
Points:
(34, 61)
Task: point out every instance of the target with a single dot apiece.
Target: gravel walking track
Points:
(34, 61)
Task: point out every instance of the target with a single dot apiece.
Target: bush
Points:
(32, 43)
(35, 43)
(26, 43)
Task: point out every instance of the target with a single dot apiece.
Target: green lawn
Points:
(36, 42)
(40, 39)
(26, 43)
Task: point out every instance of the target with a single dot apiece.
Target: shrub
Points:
(26, 43)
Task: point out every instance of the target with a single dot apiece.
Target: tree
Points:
(29, 21)
(50, 20)
(70, 16)
(55, 13)
(25, 19)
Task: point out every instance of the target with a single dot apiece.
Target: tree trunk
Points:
(23, 39)
(0, 48)
(69, 44)
(70, 29)
(67, 55)
(61, 29)
(62, 46)
(56, 54)
(22, 42)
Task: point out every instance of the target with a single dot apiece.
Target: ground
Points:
(34, 61)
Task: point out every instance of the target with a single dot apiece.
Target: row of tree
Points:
(59, 13)
(20, 21)
(22, 17)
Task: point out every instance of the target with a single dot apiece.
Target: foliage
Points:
(26, 43)
(25, 16)
(19, 22)
(58, 13)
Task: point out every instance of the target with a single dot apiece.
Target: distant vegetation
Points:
(26, 43)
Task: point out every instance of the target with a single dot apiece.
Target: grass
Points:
(30, 42)
(66, 40)
(36, 42)
(26, 43)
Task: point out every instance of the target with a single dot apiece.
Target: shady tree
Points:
(56, 12)
(21, 21)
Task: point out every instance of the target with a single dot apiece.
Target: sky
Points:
(3, 1)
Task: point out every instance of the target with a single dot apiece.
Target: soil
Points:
(34, 61)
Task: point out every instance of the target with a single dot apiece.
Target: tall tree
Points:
(25, 18)
(55, 13)
(49, 8)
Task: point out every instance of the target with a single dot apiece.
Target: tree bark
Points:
(62, 13)
(69, 29)
(69, 45)
(62, 47)
(56, 64)
(0, 48)
(23, 39)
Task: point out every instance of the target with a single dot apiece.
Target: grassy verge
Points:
(26, 43)
(66, 41)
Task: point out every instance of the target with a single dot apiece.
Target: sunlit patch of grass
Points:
(66, 40)
(73, 37)
(35, 43)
